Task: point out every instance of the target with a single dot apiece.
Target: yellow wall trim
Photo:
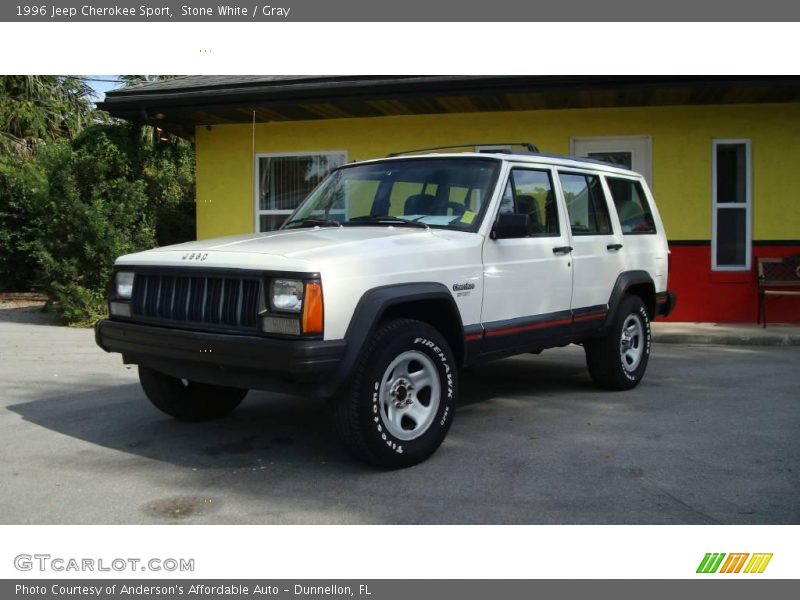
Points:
(681, 162)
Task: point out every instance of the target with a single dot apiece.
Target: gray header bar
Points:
(407, 10)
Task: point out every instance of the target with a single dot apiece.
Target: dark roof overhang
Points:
(181, 104)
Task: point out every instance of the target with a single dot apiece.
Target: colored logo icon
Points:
(734, 563)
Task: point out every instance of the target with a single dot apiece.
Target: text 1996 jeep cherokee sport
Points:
(391, 276)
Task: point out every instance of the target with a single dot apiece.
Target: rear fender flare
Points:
(624, 282)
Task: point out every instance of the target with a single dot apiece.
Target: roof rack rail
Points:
(527, 145)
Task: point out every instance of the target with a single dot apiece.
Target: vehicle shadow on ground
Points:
(266, 428)
(522, 377)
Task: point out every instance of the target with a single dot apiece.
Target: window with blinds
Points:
(284, 180)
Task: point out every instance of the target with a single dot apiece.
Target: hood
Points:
(292, 243)
(298, 248)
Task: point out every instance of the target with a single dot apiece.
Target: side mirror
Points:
(511, 225)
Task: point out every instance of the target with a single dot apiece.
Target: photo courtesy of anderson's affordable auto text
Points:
(201, 590)
(437, 321)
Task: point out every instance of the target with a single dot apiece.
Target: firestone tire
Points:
(189, 400)
(402, 399)
(618, 359)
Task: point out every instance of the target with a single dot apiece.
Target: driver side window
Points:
(530, 192)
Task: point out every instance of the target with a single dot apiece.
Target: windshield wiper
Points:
(313, 223)
(385, 220)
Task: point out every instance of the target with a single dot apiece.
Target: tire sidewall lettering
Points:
(641, 312)
(448, 394)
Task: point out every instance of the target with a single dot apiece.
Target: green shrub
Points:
(22, 186)
(68, 211)
(78, 189)
(96, 212)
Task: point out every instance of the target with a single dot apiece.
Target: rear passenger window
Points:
(631, 204)
(531, 192)
(586, 204)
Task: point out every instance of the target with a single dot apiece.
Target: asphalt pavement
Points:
(710, 436)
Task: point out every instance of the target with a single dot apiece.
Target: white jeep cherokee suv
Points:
(387, 280)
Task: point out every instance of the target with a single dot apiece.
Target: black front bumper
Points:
(245, 361)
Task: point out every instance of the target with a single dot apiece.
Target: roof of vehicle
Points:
(541, 158)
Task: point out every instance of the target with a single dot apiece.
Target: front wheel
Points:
(188, 400)
(402, 400)
(619, 358)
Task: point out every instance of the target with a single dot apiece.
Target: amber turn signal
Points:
(312, 308)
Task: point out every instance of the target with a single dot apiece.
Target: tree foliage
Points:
(40, 108)
(82, 195)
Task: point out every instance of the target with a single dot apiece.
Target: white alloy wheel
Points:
(410, 393)
(631, 343)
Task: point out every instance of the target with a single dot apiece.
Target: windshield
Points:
(426, 192)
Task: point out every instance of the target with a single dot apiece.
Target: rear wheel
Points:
(619, 358)
(188, 400)
(402, 399)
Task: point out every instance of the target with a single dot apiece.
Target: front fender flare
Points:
(368, 313)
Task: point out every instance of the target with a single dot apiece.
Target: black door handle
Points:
(613, 247)
(562, 249)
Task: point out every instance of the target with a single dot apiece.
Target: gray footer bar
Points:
(733, 588)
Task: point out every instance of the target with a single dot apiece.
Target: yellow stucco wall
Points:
(681, 162)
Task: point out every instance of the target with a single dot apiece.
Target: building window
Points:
(731, 198)
(493, 148)
(618, 159)
(284, 180)
(628, 151)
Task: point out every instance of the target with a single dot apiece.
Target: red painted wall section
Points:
(724, 297)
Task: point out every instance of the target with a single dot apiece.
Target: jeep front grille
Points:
(205, 299)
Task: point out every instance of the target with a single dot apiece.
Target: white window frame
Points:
(257, 212)
(717, 206)
(635, 144)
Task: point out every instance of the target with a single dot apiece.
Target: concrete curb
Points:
(725, 339)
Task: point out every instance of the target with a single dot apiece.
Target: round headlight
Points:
(123, 284)
(287, 295)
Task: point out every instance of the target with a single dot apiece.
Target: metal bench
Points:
(781, 273)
